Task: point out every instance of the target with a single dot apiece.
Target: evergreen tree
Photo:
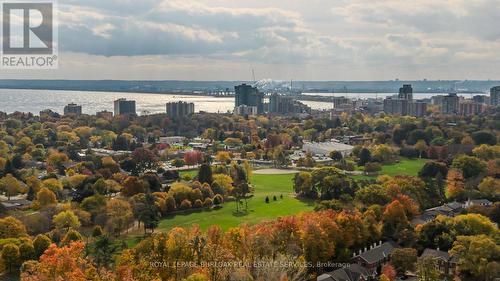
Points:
(205, 174)
(365, 156)
(149, 213)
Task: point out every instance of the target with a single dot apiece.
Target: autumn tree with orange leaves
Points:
(455, 186)
(66, 263)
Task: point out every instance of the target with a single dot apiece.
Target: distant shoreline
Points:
(210, 88)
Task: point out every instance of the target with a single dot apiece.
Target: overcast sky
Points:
(279, 39)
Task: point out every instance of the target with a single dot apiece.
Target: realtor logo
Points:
(28, 35)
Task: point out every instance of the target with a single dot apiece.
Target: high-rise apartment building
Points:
(470, 107)
(449, 104)
(124, 107)
(495, 96)
(406, 92)
(179, 109)
(73, 109)
(417, 108)
(396, 106)
(249, 96)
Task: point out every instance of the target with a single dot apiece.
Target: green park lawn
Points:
(258, 209)
(409, 167)
(270, 185)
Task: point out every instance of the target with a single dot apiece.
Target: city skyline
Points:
(318, 40)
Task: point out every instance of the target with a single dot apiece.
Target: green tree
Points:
(148, 213)
(303, 184)
(205, 174)
(97, 231)
(26, 251)
(365, 156)
(490, 187)
(478, 255)
(404, 260)
(10, 186)
(40, 244)
(10, 256)
(66, 220)
(426, 269)
(103, 251)
(45, 197)
(133, 185)
(11, 228)
(484, 137)
(71, 236)
(421, 147)
(469, 165)
(432, 168)
(119, 215)
(222, 184)
(372, 194)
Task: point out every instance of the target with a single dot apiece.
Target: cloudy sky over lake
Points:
(279, 39)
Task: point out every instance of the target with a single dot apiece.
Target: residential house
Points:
(354, 272)
(376, 256)
(449, 209)
(444, 263)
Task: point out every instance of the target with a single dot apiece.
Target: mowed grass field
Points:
(258, 209)
(409, 167)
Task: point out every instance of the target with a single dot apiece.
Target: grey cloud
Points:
(183, 28)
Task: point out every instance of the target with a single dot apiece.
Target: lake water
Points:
(36, 100)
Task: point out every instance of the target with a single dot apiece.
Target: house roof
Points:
(436, 254)
(481, 202)
(352, 273)
(455, 205)
(325, 277)
(379, 252)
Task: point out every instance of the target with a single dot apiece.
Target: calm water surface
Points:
(36, 100)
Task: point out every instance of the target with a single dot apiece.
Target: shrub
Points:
(170, 204)
(208, 202)
(41, 243)
(71, 236)
(186, 205)
(26, 251)
(97, 231)
(218, 199)
(197, 204)
(372, 167)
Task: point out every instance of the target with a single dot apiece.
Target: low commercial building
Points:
(175, 140)
(325, 148)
